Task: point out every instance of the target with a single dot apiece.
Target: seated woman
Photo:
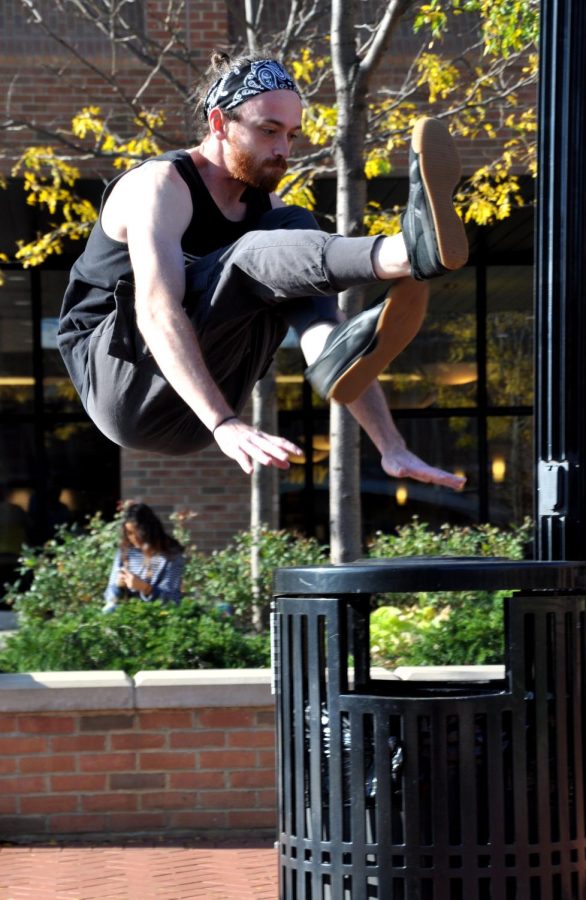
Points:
(148, 563)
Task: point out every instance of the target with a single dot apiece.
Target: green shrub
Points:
(67, 572)
(136, 636)
(432, 628)
(62, 627)
(225, 576)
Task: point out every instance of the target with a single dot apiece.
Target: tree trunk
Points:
(250, 12)
(264, 506)
(264, 489)
(264, 492)
(345, 506)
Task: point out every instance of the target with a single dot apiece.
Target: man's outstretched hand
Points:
(247, 445)
(401, 463)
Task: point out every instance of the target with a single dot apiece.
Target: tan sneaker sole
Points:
(440, 170)
(398, 323)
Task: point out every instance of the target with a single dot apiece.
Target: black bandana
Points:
(241, 83)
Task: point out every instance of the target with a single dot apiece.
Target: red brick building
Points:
(454, 396)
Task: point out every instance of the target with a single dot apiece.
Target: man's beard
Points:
(265, 175)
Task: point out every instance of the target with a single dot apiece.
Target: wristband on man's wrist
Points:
(222, 422)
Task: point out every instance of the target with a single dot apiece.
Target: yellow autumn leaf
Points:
(440, 76)
(296, 191)
(319, 123)
(377, 163)
(381, 221)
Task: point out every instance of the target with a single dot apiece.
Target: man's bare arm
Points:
(159, 214)
(155, 225)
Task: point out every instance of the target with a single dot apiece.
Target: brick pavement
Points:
(224, 869)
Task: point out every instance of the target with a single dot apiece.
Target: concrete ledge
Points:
(8, 620)
(450, 673)
(45, 691)
(383, 674)
(203, 687)
(173, 688)
(182, 688)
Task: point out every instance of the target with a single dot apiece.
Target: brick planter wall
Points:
(173, 752)
(98, 752)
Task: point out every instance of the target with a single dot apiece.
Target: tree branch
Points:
(393, 14)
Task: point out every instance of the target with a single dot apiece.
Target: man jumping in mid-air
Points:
(195, 270)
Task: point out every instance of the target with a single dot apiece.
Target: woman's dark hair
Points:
(149, 530)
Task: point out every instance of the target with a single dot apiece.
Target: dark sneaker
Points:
(358, 350)
(433, 232)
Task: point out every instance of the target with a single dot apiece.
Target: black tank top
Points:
(89, 296)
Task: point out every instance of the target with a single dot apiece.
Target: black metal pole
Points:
(560, 292)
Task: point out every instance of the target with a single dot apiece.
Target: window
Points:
(55, 466)
(461, 394)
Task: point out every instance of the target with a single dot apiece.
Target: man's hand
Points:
(399, 462)
(247, 445)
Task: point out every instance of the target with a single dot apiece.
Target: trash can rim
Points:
(424, 573)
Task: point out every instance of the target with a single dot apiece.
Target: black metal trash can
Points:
(402, 790)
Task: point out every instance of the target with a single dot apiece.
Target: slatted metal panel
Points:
(405, 792)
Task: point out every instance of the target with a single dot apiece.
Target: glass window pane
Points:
(16, 344)
(289, 374)
(83, 469)
(81, 476)
(510, 454)
(59, 393)
(439, 368)
(303, 488)
(510, 325)
(17, 459)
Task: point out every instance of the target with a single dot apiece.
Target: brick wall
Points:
(45, 84)
(55, 85)
(137, 770)
(207, 483)
(176, 751)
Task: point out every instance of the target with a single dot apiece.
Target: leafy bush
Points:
(67, 572)
(62, 627)
(225, 576)
(432, 628)
(136, 636)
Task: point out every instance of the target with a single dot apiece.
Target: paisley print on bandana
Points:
(243, 82)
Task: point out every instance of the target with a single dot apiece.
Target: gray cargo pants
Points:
(241, 300)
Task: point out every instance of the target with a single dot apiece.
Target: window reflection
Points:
(58, 391)
(510, 327)
(439, 367)
(83, 467)
(13, 534)
(55, 466)
(510, 454)
(17, 381)
(16, 342)
(438, 370)
(449, 443)
(16, 484)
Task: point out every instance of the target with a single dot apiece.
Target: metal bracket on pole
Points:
(553, 487)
